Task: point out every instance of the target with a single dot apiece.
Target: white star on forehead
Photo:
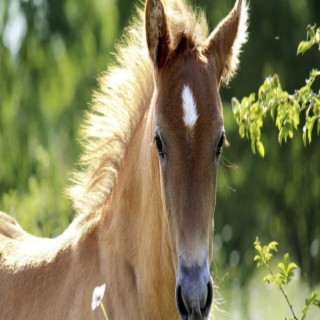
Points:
(190, 114)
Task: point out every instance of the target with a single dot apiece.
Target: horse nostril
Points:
(194, 291)
(207, 305)
(182, 304)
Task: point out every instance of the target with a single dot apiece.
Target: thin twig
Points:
(290, 305)
(285, 295)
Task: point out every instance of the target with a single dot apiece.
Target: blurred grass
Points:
(258, 301)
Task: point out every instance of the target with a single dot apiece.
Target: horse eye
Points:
(220, 144)
(159, 144)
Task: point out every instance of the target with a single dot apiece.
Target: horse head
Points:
(189, 136)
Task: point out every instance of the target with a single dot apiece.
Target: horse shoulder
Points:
(53, 278)
(17, 247)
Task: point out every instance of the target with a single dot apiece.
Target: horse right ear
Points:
(225, 42)
(158, 38)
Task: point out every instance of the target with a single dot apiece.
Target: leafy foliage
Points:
(264, 253)
(313, 38)
(283, 277)
(288, 110)
(47, 73)
(313, 299)
(277, 196)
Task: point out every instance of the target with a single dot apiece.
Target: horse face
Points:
(189, 136)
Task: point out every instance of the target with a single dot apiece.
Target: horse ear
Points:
(225, 42)
(158, 38)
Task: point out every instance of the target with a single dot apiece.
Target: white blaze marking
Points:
(190, 114)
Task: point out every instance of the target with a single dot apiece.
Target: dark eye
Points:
(159, 144)
(220, 144)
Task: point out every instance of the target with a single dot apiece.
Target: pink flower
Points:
(97, 296)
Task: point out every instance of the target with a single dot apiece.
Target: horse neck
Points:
(137, 204)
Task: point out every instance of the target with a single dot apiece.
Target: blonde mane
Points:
(124, 94)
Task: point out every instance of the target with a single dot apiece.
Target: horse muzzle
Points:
(194, 291)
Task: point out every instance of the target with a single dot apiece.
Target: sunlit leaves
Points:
(286, 270)
(264, 253)
(249, 115)
(283, 277)
(313, 37)
(313, 299)
(287, 110)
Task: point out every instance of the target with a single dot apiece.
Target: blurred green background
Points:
(51, 52)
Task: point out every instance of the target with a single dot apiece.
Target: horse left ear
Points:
(158, 38)
(225, 42)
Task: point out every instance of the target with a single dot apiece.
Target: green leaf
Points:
(311, 300)
(310, 124)
(292, 266)
(282, 267)
(311, 31)
(257, 244)
(273, 246)
(253, 147)
(267, 256)
(268, 279)
(241, 131)
(304, 136)
(286, 270)
(304, 46)
(260, 148)
(296, 119)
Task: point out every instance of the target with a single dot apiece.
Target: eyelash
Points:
(160, 146)
(220, 145)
